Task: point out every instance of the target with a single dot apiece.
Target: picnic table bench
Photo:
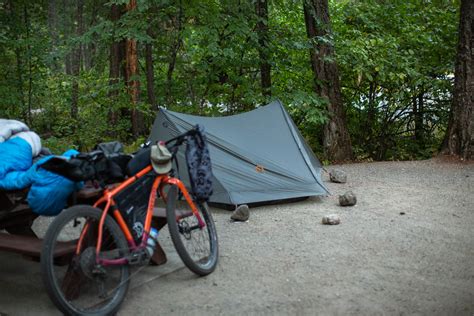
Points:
(16, 220)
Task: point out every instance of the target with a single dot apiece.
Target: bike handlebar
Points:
(179, 140)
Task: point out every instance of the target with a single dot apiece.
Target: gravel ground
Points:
(284, 261)
(377, 261)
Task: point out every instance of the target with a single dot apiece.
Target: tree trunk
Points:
(336, 140)
(30, 66)
(76, 60)
(68, 64)
(459, 139)
(88, 50)
(418, 104)
(16, 19)
(116, 66)
(67, 29)
(371, 110)
(261, 8)
(53, 33)
(19, 69)
(133, 83)
(174, 49)
(150, 75)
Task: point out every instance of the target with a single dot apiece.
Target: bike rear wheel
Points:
(74, 282)
(197, 247)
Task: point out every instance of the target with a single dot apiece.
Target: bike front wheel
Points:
(76, 284)
(197, 247)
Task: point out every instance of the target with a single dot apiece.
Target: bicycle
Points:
(93, 279)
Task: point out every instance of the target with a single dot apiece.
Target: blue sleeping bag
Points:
(18, 180)
(49, 191)
(15, 155)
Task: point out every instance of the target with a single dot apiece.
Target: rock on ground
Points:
(347, 199)
(241, 213)
(331, 219)
(338, 176)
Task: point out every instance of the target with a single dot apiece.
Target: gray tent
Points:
(257, 157)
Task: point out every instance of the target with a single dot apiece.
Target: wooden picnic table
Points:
(16, 219)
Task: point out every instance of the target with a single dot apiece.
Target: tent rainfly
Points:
(257, 157)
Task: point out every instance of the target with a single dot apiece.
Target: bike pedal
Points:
(139, 257)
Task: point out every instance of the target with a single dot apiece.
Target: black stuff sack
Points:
(198, 161)
(89, 166)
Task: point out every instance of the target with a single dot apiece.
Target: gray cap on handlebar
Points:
(161, 158)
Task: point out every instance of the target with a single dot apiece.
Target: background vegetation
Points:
(395, 59)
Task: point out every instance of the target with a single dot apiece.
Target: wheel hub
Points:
(185, 229)
(87, 262)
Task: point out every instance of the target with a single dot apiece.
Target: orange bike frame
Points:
(108, 199)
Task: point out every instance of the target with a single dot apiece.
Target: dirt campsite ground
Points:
(407, 247)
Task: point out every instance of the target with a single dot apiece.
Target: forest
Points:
(362, 79)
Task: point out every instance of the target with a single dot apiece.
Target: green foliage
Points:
(390, 54)
(206, 61)
(134, 145)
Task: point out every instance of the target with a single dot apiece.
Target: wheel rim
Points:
(199, 243)
(85, 287)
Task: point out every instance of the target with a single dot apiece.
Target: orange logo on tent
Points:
(259, 168)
